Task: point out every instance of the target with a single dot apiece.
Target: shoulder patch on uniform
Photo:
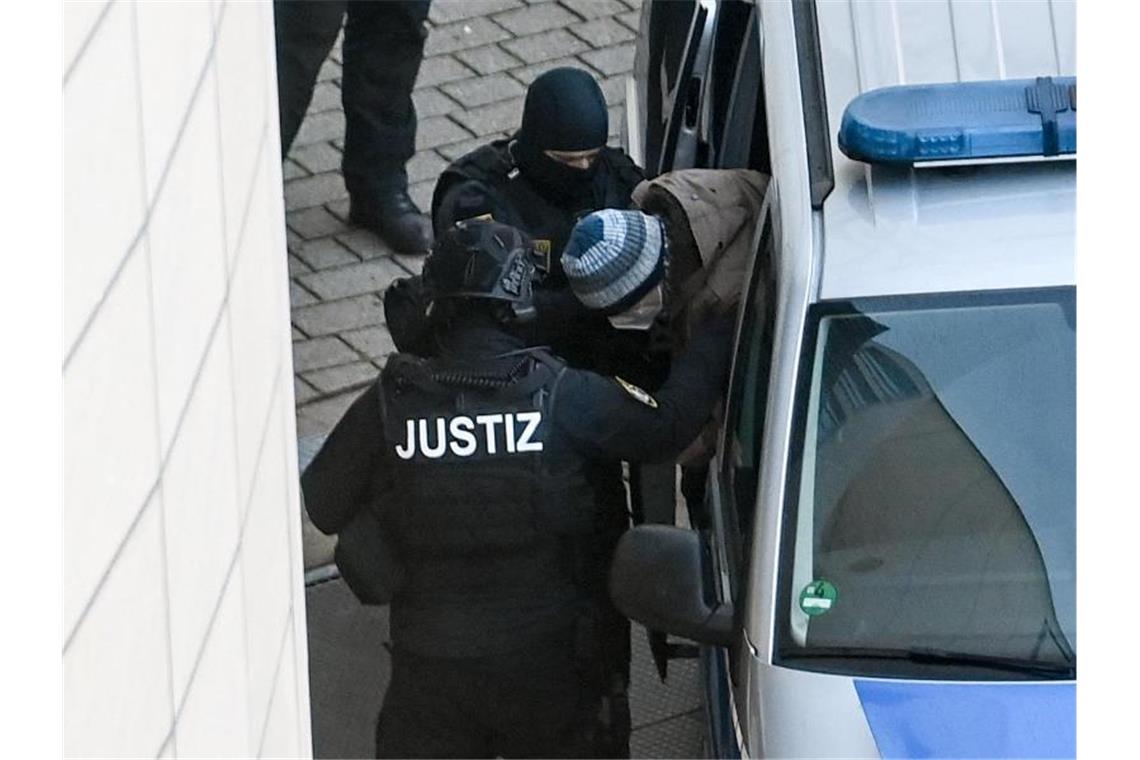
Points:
(637, 393)
(542, 248)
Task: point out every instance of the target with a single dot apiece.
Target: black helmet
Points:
(484, 259)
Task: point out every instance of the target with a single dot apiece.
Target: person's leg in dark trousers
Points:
(383, 48)
(429, 710)
(305, 32)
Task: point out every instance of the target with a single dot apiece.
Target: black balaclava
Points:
(564, 110)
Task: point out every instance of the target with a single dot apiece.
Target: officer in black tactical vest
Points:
(555, 169)
(464, 490)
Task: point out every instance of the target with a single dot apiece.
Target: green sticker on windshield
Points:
(818, 597)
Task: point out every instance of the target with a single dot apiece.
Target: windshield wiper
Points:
(932, 656)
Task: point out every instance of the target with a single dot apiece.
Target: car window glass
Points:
(935, 509)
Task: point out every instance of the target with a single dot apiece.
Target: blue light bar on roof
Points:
(963, 120)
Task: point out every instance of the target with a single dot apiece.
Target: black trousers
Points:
(530, 703)
(383, 48)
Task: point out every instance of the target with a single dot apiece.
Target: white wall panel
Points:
(190, 610)
(268, 590)
(174, 40)
(242, 105)
(214, 721)
(102, 166)
(110, 450)
(256, 313)
(78, 23)
(188, 262)
(1021, 21)
(282, 735)
(117, 699)
(926, 41)
(200, 493)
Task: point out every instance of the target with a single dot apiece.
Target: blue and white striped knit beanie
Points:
(613, 258)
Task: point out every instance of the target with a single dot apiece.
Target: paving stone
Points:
(342, 378)
(298, 335)
(364, 243)
(611, 60)
(421, 194)
(320, 127)
(325, 253)
(298, 296)
(614, 89)
(442, 68)
(594, 8)
(488, 59)
(293, 241)
(312, 223)
(425, 165)
(339, 209)
(296, 266)
(631, 19)
(326, 97)
(438, 130)
(528, 74)
(331, 317)
(290, 169)
(479, 91)
(411, 264)
(470, 33)
(313, 191)
(495, 117)
(557, 43)
(374, 342)
(534, 19)
(317, 158)
(602, 32)
(431, 102)
(302, 391)
(455, 150)
(320, 353)
(635, 4)
(447, 11)
(329, 71)
(373, 276)
(319, 417)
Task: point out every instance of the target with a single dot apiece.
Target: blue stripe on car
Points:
(911, 719)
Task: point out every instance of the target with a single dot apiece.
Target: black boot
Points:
(395, 218)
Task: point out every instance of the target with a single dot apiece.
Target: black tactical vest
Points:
(491, 511)
(614, 179)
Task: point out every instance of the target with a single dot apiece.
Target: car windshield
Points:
(932, 506)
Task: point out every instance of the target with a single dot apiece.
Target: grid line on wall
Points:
(152, 203)
(276, 678)
(222, 309)
(160, 493)
(232, 563)
(87, 40)
(237, 485)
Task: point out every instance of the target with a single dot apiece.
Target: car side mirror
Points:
(657, 579)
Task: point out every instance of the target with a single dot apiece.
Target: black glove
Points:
(405, 311)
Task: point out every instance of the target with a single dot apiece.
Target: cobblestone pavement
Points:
(479, 57)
